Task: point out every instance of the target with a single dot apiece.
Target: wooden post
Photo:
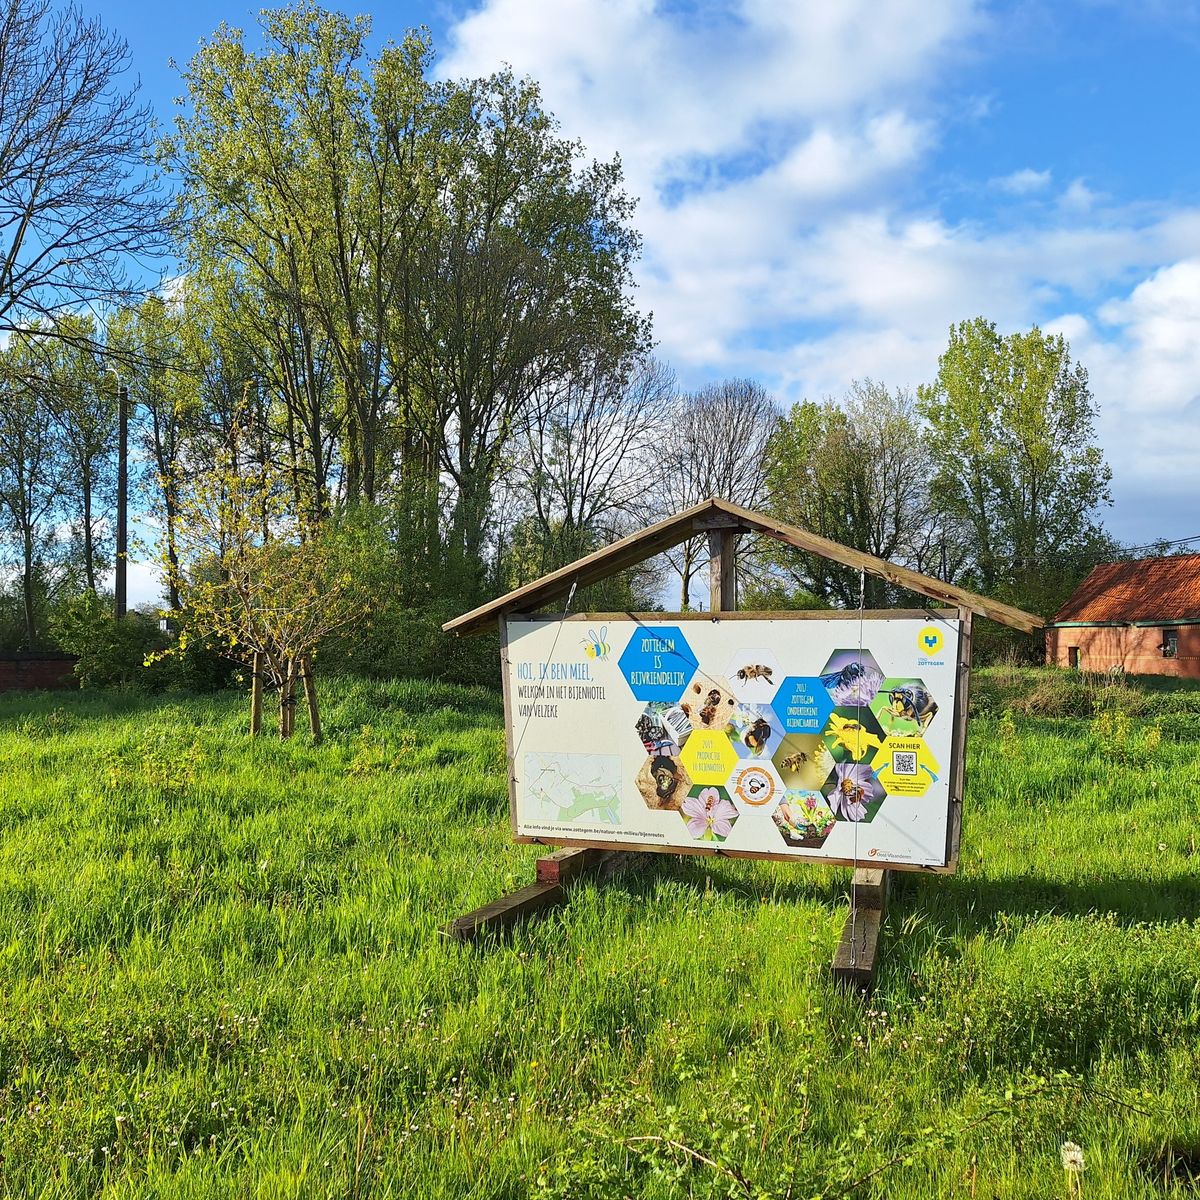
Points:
(722, 571)
(855, 959)
(310, 696)
(287, 699)
(256, 669)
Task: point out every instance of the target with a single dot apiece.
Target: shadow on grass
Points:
(970, 904)
(84, 708)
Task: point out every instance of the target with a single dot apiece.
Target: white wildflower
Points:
(1072, 1158)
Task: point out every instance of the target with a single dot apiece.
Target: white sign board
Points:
(819, 736)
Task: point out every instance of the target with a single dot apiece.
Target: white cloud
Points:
(1024, 181)
(776, 149)
(143, 584)
(1078, 197)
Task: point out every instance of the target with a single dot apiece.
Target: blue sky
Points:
(824, 188)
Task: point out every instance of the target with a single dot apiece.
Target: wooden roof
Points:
(713, 514)
(1125, 593)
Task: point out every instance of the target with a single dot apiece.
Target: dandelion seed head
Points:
(1072, 1157)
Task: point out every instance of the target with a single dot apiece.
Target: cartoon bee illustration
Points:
(794, 762)
(756, 736)
(913, 703)
(755, 671)
(595, 645)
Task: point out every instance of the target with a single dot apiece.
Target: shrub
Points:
(1180, 726)
(111, 653)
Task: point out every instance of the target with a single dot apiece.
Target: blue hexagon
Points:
(658, 662)
(802, 704)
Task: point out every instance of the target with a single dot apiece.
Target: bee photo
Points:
(852, 678)
(912, 703)
(757, 735)
(754, 671)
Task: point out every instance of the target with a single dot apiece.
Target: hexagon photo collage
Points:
(810, 750)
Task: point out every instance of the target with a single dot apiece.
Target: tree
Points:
(80, 396)
(164, 386)
(269, 591)
(713, 443)
(32, 486)
(1011, 432)
(588, 442)
(76, 203)
(522, 275)
(855, 471)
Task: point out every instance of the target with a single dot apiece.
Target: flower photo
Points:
(709, 814)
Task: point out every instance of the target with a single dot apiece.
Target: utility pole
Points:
(120, 572)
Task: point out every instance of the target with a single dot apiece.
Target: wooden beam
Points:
(857, 954)
(722, 570)
(720, 514)
(627, 552)
(913, 581)
(500, 916)
(555, 874)
(958, 743)
(566, 866)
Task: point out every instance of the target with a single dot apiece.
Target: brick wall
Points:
(28, 673)
(1136, 650)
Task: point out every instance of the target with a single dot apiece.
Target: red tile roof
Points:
(1151, 589)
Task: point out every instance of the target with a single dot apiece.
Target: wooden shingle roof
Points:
(1142, 592)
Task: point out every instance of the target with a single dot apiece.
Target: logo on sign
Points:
(930, 640)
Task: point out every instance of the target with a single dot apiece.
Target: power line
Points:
(1161, 545)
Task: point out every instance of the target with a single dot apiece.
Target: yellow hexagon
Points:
(905, 766)
(709, 756)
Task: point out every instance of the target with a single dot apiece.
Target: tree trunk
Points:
(89, 547)
(310, 694)
(27, 596)
(287, 699)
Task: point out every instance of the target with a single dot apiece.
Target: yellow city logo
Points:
(930, 639)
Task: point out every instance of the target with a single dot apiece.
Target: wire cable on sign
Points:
(862, 604)
(541, 687)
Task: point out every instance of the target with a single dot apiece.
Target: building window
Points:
(1073, 657)
(1170, 643)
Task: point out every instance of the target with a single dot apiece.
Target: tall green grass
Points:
(222, 975)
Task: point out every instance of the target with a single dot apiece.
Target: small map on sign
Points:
(571, 787)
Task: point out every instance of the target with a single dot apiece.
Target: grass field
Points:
(222, 976)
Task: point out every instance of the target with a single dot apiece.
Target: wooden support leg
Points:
(555, 873)
(855, 959)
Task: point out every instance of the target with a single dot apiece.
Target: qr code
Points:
(904, 762)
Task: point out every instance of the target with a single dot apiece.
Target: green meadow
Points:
(221, 973)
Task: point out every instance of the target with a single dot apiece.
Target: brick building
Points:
(1143, 617)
